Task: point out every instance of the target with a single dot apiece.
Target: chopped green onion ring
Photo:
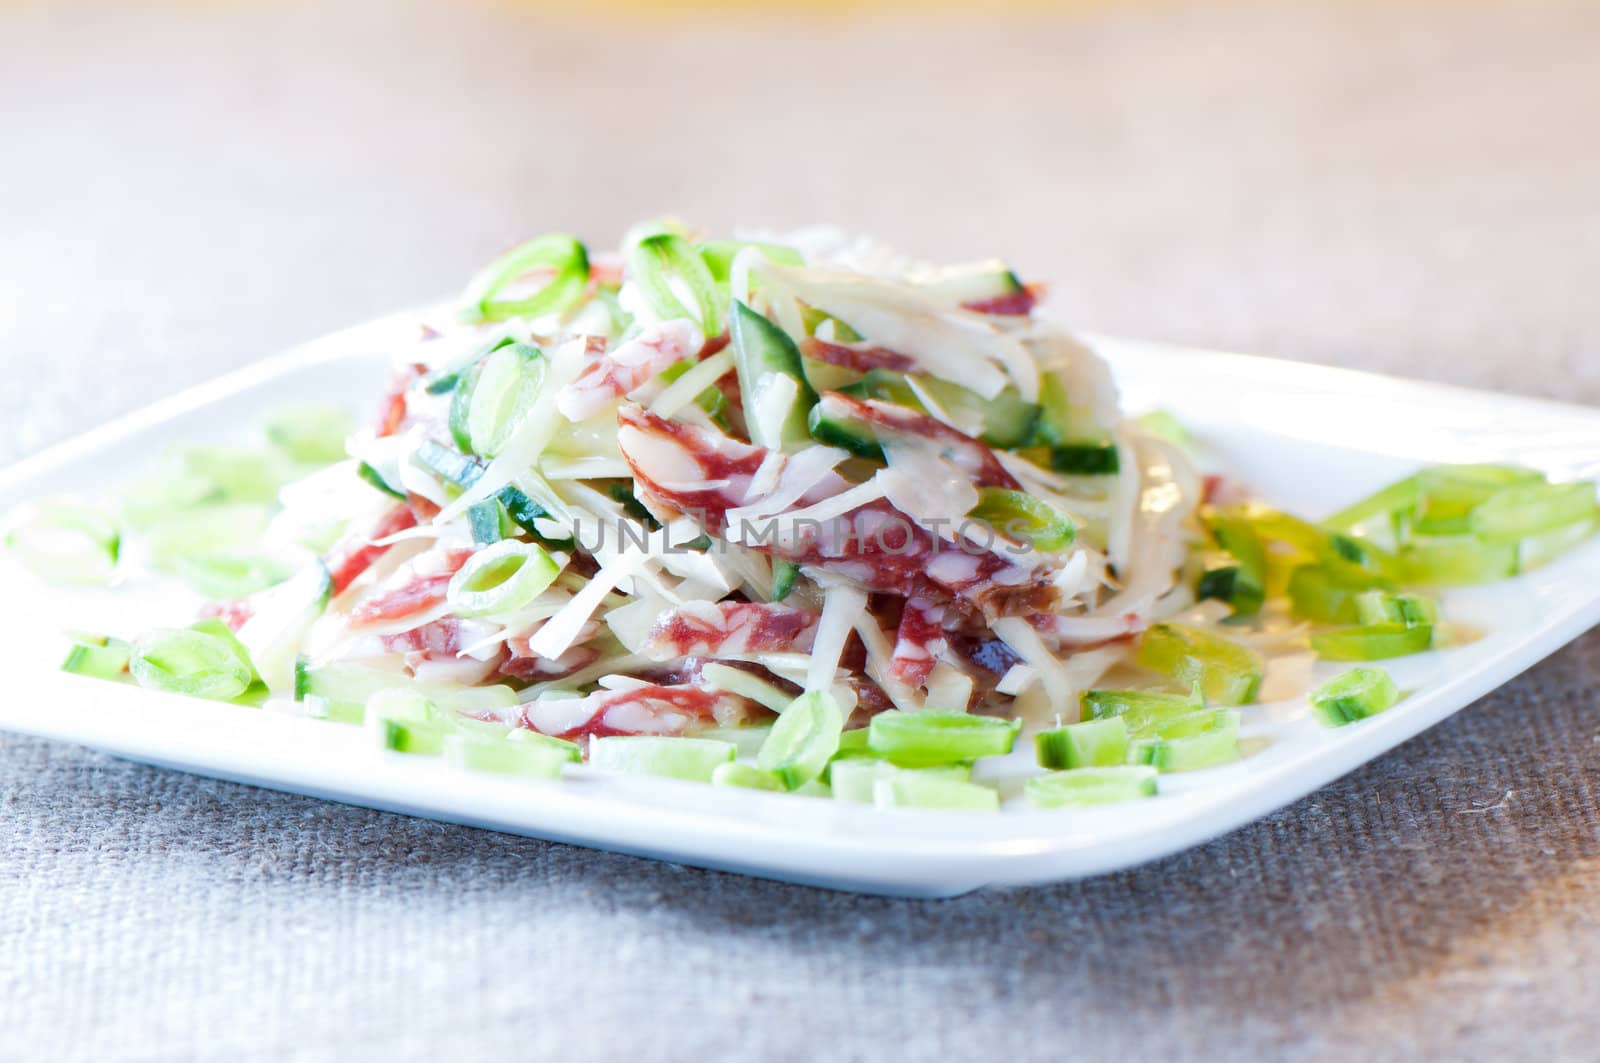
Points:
(501, 578)
(564, 256)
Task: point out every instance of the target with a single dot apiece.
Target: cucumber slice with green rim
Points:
(405, 721)
(1517, 513)
(197, 663)
(1091, 786)
(564, 258)
(745, 777)
(1089, 744)
(1375, 643)
(925, 739)
(1241, 582)
(1407, 610)
(467, 752)
(1228, 673)
(1139, 709)
(1024, 518)
(718, 255)
(803, 740)
(503, 391)
(831, 423)
(526, 736)
(489, 522)
(914, 789)
(662, 258)
(1458, 562)
(772, 380)
(66, 542)
(501, 578)
(1355, 695)
(1330, 592)
(853, 778)
(458, 470)
(1200, 740)
(371, 475)
(98, 658)
(688, 759)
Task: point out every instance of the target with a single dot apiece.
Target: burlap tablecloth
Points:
(1407, 186)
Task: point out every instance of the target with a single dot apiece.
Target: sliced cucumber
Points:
(924, 739)
(1189, 743)
(1355, 695)
(1228, 673)
(718, 255)
(1090, 744)
(832, 423)
(910, 789)
(98, 657)
(468, 752)
(278, 624)
(1091, 786)
(1139, 709)
(1006, 421)
(979, 282)
(503, 390)
(1377, 642)
(745, 777)
(772, 380)
(803, 740)
(456, 469)
(689, 759)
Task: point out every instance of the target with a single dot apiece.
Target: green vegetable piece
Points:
(66, 541)
(772, 380)
(503, 391)
(854, 778)
(1025, 518)
(718, 255)
(1189, 743)
(1374, 643)
(226, 576)
(783, 577)
(201, 664)
(745, 777)
(1457, 562)
(1329, 592)
(524, 736)
(1517, 513)
(659, 259)
(1228, 673)
(372, 476)
(1089, 744)
(1407, 610)
(497, 756)
(924, 739)
(1139, 709)
(1091, 786)
(921, 790)
(501, 579)
(688, 759)
(1354, 695)
(803, 740)
(562, 257)
(98, 657)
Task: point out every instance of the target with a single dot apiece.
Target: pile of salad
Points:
(793, 514)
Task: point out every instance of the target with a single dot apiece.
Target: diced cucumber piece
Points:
(746, 777)
(1517, 513)
(924, 739)
(1089, 744)
(99, 658)
(201, 664)
(1447, 495)
(922, 790)
(321, 708)
(1024, 518)
(497, 756)
(772, 380)
(718, 255)
(1355, 695)
(803, 740)
(1457, 562)
(1331, 592)
(831, 422)
(1375, 643)
(1139, 709)
(658, 260)
(66, 541)
(1091, 786)
(689, 759)
(455, 469)
(1200, 740)
(371, 475)
(853, 778)
(1228, 673)
(1242, 583)
(503, 391)
(526, 736)
(405, 721)
(1408, 610)
(1086, 458)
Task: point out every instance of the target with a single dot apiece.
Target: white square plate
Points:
(1305, 437)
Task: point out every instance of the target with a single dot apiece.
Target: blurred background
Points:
(1408, 185)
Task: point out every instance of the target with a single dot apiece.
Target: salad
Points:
(786, 513)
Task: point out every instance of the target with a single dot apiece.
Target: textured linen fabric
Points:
(1407, 186)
